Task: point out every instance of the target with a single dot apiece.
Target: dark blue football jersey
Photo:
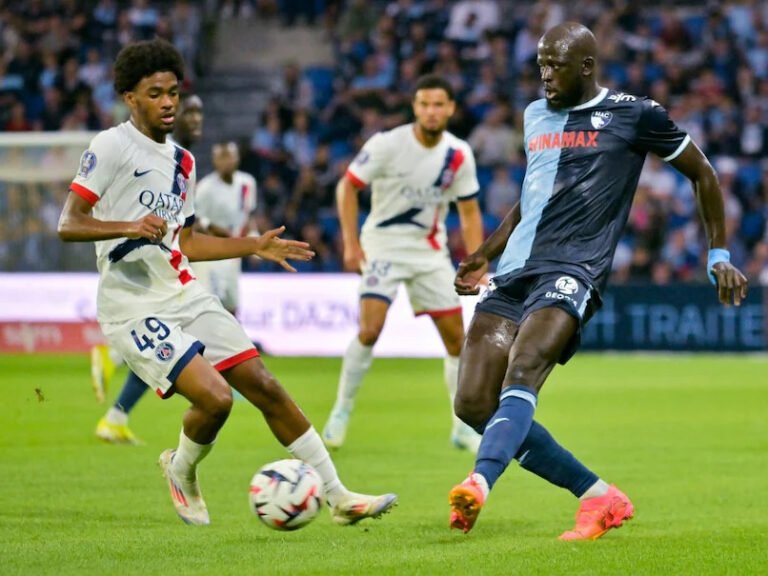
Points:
(583, 166)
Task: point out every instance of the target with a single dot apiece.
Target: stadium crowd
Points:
(707, 63)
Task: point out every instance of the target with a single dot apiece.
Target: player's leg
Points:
(294, 431)
(113, 426)
(540, 341)
(430, 290)
(484, 364)
(378, 288)
(104, 362)
(451, 330)
(211, 401)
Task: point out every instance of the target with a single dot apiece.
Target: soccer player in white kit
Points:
(224, 202)
(113, 426)
(414, 171)
(134, 196)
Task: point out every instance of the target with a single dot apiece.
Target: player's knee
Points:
(368, 335)
(529, 368)
(269, 389)
(219, 402)
(472, 411)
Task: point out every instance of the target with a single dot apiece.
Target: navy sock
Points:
(133, 389)
(543, 456)
(505, 432)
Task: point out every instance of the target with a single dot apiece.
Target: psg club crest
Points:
(87, 164)
(601, 119)
(182, 183)
(164, 351)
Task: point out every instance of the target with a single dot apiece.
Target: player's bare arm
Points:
(269, 246)
(473, 267)
(471, 220)
(731, 283)
(348, 204)
(77, 225)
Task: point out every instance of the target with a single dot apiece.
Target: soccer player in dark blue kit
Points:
(586, 146)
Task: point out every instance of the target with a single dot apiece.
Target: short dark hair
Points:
(432, 81)
(142, 59)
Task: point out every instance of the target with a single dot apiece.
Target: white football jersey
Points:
(126, 175)
(225, 205)
(412, 187)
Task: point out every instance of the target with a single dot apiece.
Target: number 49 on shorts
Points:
(156, 327)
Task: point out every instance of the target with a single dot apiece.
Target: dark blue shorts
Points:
(518, 297)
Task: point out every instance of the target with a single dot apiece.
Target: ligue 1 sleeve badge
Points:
(164, 351)
(87, 164)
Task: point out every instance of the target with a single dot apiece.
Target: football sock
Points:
(357, 361)
(188, 455)
(451, 375)
(116, 416)
(542, 455)
(597, 489)
(132, 391)
(309, 448)
(505, 431)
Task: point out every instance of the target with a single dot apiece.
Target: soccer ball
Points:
(286, 494)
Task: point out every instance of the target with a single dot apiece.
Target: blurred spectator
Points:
(471, 18)
(502, 193)
(494, 141)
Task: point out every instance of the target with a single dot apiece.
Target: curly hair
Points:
(142, 59)
(434, 81)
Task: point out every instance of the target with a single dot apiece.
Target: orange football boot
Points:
(598, 515)
(466, 501)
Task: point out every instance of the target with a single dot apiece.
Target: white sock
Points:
(188, 455)
(480, 480)
(310, 448)
(599, 488)
(116, 416)
(115, 356)
(451, 375)
(357, 361)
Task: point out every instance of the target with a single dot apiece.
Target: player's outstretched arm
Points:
(473, 267)
(269, 246)
(77, 225)
(731, 283)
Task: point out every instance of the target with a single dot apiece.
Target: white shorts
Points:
(222, 279)
(159, 347)
(428, 281)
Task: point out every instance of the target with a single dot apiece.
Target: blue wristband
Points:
(715, 256)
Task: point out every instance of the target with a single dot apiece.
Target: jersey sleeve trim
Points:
(471, 196)
(84, 193)
(679, 150)
(355, 180)
(189, 221)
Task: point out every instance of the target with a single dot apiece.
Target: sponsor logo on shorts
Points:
(165, 351)
(566, 285)
(371, 281)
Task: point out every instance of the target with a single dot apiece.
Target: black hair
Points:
(143, 59)
(433, 81)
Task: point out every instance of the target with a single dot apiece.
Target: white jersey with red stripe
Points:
(412, 186)
(126, 175)
(226, 205)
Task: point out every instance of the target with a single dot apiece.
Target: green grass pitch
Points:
(686, 437)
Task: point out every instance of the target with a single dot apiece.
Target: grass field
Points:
(685, 437)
